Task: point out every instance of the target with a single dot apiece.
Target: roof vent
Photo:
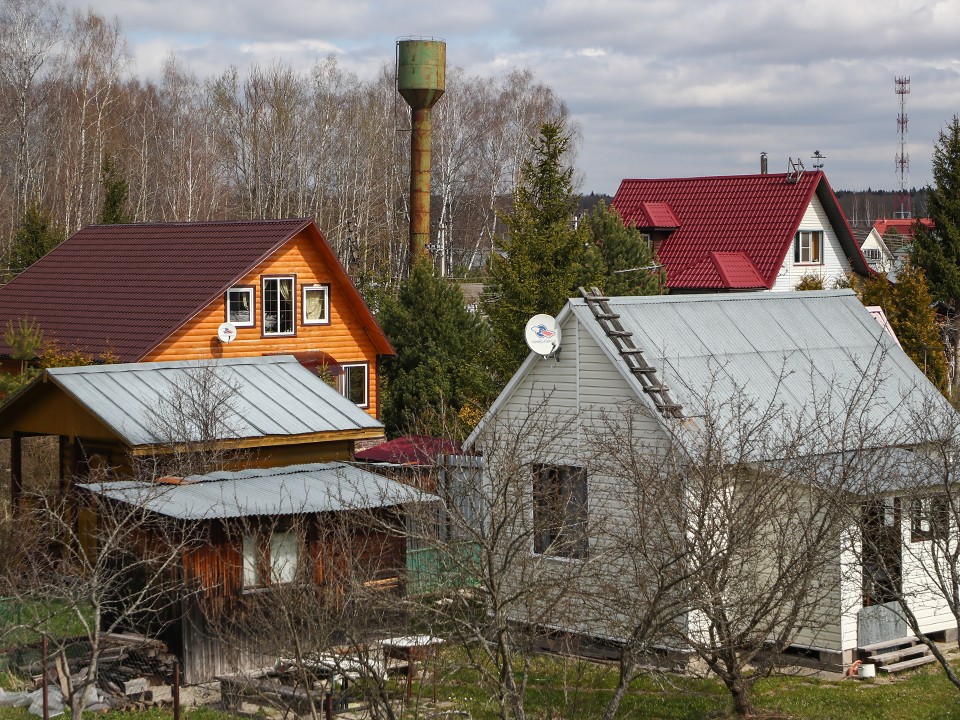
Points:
(794, 170)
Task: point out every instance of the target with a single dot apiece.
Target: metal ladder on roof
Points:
(632, 355)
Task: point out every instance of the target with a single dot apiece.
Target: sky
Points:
(659, 88)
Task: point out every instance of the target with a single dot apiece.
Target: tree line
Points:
(272, 142)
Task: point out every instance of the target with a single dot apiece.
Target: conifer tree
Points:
(442, 348)
(618, 259)
(35, 237)
(540, 261)
(115, 195)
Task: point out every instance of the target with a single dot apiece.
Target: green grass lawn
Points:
(578, 690)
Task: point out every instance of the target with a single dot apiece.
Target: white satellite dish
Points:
(543, 335)
(227, 332)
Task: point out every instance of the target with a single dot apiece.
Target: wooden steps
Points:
(896, 655)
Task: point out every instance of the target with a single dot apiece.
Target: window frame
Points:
(251, 291)
(263, 565)
(929, 517)
(304, 289)
(568, 500)
(264, 279)
(798, 247)
(344, 382)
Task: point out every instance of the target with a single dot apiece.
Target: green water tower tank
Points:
(421, 71)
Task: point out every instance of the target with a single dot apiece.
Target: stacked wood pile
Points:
(135, 672)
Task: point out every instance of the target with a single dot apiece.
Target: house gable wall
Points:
(835, 262)
(344, 338)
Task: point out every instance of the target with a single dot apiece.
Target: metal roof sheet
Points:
(270, 396)
(802, 352)
(756, 215)
(294, 490)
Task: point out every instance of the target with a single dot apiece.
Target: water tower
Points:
(421, 74)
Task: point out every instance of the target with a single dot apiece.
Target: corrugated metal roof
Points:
(270, 396)
(294, 490)
(752, 214)
(125, 288)
(798, 351)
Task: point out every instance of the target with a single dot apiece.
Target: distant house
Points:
(272, 410)
(888, 240)
(160, 291)
(651, 368)
(742, 232)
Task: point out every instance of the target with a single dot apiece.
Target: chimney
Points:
(763, 163)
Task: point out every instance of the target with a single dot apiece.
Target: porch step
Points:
(893, 655)
(909, 640)
(907, 664)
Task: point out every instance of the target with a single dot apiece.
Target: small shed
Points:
(259, 531)
(109, 419)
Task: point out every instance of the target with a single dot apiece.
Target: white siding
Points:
(927, 604)
(834, 259)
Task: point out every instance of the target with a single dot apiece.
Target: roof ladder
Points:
(632, 355)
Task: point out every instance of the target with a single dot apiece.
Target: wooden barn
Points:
(269, 551)
(126, 419)
(160, 291)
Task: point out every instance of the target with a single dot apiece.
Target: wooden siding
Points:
(834, 258)
(345, 338)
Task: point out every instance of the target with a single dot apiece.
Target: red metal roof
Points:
(754, 217)
(904, 226)
(125, 288)
(411, 450)
(656, 215)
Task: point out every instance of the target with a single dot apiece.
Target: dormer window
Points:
(808, 247)
(279, 306)
(240, 306)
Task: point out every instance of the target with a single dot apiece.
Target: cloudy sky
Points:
(660, 88)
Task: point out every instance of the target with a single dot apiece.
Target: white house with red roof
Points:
(743, 232)
(888, 238)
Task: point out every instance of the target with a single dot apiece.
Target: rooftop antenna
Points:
(818, 160)
(901, 86)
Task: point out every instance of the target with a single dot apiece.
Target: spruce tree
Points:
(439, 371)
(538, 265)
(115, 195)
(618, 259)
(35, 237)
(937, 251)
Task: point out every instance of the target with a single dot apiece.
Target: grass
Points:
(566, 688)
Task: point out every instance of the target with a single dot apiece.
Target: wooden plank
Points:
(907, 664)
(888, 644)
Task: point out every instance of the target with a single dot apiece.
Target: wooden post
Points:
(43, 680)
(16, 471)
(176, 689)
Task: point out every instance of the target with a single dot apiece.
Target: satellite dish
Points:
(227, 332)
(543, 335)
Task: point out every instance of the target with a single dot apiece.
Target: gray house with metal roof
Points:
(649, 372)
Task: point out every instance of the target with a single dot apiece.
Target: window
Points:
(929, 518)
(353, 383)
(560, 510)
(278, 306)
(316, 305)
(647, 240)
(808, 247)
(270, 560)
(871, 253)
(240, 306)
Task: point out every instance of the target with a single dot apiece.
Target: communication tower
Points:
(902, 160)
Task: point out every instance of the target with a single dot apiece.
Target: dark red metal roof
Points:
(125, 288)
(755, 216)
(904, 226)
(411, 450)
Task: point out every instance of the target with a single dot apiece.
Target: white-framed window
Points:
(929, 518)
(240, 306)
(808, 247)
(871, 253)
(354, 383)
(560, 510)
(316, 304)
(279, 306)
(270, 560)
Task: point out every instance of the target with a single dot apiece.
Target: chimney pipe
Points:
(763, 163)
